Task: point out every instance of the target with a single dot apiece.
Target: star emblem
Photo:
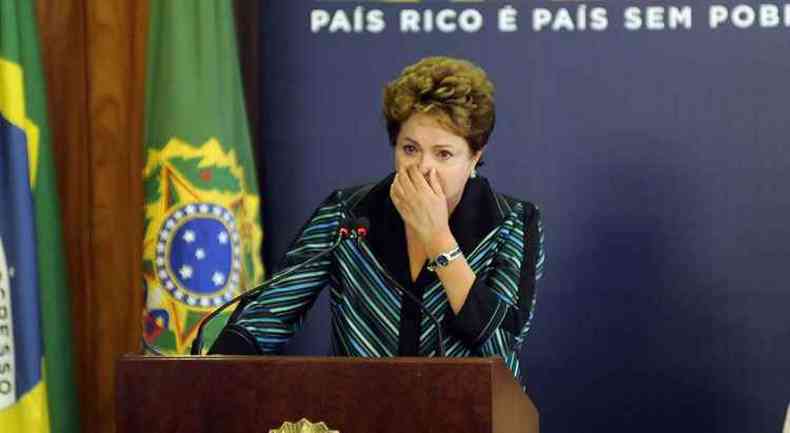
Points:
(189, 236)
(218, 278)
(186, 272)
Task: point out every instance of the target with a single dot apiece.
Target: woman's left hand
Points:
(422, 205)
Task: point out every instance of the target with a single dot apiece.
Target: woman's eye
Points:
(409, 149)
(445, 154)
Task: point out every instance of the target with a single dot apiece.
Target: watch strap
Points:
(444, 259)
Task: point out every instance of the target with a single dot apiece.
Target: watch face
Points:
(442, 260)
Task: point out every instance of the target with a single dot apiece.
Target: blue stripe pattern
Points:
(366, 307)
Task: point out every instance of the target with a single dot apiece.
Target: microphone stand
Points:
(197, 343)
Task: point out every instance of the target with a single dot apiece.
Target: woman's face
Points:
(424, 142)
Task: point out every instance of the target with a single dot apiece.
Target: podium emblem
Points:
(303, 426)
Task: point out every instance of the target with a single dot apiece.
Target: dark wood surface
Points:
(353, 395)
(93, 54)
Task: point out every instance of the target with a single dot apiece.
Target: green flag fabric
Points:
(37, 388)
(202, 225)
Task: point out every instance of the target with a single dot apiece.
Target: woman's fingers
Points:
(422, 181)
(406, 181)
(398, 196)
(395, 190)
(436, 184)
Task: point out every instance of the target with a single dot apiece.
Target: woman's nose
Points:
(425, 165)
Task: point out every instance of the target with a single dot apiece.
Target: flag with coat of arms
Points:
(202, 224)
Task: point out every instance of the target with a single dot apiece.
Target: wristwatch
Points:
(444, 259)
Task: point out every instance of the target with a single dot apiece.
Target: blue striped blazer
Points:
(501, 238)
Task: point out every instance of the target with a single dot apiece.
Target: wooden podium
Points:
(235, 394)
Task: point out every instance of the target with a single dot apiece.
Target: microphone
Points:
(361, 228)
(345, 231)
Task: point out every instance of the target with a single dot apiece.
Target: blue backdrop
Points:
(660, 158)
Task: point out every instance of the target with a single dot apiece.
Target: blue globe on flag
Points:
(198, 255)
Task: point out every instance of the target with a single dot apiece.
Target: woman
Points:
(472, 256)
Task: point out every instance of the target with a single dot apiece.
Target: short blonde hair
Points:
(456, 91)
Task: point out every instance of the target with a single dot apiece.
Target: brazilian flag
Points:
(37, 392)
(202, 224)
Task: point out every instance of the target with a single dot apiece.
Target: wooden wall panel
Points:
(94, 60)
(247, 14)
(61, 27)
